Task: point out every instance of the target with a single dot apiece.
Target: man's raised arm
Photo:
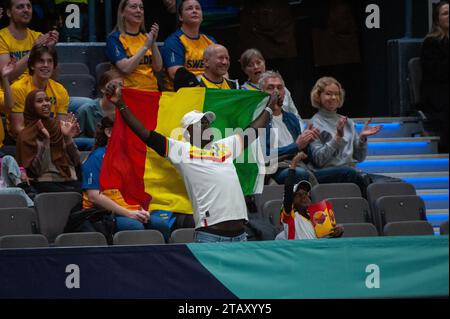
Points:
(153, 139)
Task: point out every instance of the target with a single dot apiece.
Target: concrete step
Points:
(410, 156)
(404, 120)
(405, 165)
(392, 126)
(424, 181)
(435, 199)
(403, 146)
(395, 129)
(437, 216)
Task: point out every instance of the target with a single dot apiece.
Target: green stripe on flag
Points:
(380, 267)
(237, 109)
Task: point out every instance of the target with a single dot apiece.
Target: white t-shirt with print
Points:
(211, 180)
(304, 229)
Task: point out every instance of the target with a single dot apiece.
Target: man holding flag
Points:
(206, 167)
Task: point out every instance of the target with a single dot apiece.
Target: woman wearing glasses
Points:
(132, 50)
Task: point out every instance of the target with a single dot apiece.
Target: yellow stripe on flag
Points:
(174, 106)
(161, 178)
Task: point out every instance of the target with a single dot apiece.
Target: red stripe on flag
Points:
(124, 163)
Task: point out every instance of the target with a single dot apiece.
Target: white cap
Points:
(195, 117)
(305, 185)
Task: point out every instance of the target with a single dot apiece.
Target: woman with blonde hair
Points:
(435, 83)
(335, 154)
(132, 50)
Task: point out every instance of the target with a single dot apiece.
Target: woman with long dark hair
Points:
(435, 84)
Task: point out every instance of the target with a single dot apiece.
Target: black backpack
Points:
(92, 220)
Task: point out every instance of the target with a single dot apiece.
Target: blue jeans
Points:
(125, 223)
(206, 238)
(75, 102)
(10, 171)
(343, 174)
(84, 143)
(282, 174)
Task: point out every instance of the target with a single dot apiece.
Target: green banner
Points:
(384, 267)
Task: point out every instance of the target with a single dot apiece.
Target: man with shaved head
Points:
(217, 63)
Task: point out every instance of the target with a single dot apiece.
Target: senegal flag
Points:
(143, 177)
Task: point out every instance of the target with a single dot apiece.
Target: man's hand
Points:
(53, 38)
(338, 231)
(113, 93)
(307, 137)
(43, 39)
(275, 101)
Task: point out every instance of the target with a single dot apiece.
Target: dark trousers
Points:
(343, 174)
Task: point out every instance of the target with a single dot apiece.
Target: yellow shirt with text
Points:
(224, 85)
(124, 46)
(17, 48)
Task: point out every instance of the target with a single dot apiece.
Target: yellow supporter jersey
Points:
(224, 85)
(2, 110)
(55, 91)
(181, 50)
(250, 87)
(124, 46)
(17, 48)
(115, 196)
